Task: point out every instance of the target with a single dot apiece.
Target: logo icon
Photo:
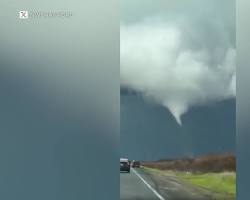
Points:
(23, 14)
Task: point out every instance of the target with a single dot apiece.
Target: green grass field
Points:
(224, 182)
(222, 185)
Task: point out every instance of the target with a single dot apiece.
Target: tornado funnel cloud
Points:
(176, 65)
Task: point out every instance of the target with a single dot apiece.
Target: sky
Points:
(150, 132)
(179, 60)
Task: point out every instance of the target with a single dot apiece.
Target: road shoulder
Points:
(173, 188)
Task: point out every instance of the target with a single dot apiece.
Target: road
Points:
(141, 184)
(136, 186)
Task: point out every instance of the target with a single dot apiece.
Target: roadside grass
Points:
(223, 183)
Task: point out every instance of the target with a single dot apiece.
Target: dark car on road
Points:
(136, 164)
(124, 165)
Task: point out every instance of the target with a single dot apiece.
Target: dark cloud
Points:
(149, 131)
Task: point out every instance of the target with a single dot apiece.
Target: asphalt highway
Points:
(136, 186)
(141, 184)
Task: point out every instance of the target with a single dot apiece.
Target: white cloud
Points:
(158, 59)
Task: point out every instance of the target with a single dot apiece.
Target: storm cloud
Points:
(180, 60)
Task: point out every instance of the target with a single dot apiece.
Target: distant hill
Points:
(206, 163)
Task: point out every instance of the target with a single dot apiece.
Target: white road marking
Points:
(148, 185)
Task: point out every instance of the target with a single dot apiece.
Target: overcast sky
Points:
(180, 57)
